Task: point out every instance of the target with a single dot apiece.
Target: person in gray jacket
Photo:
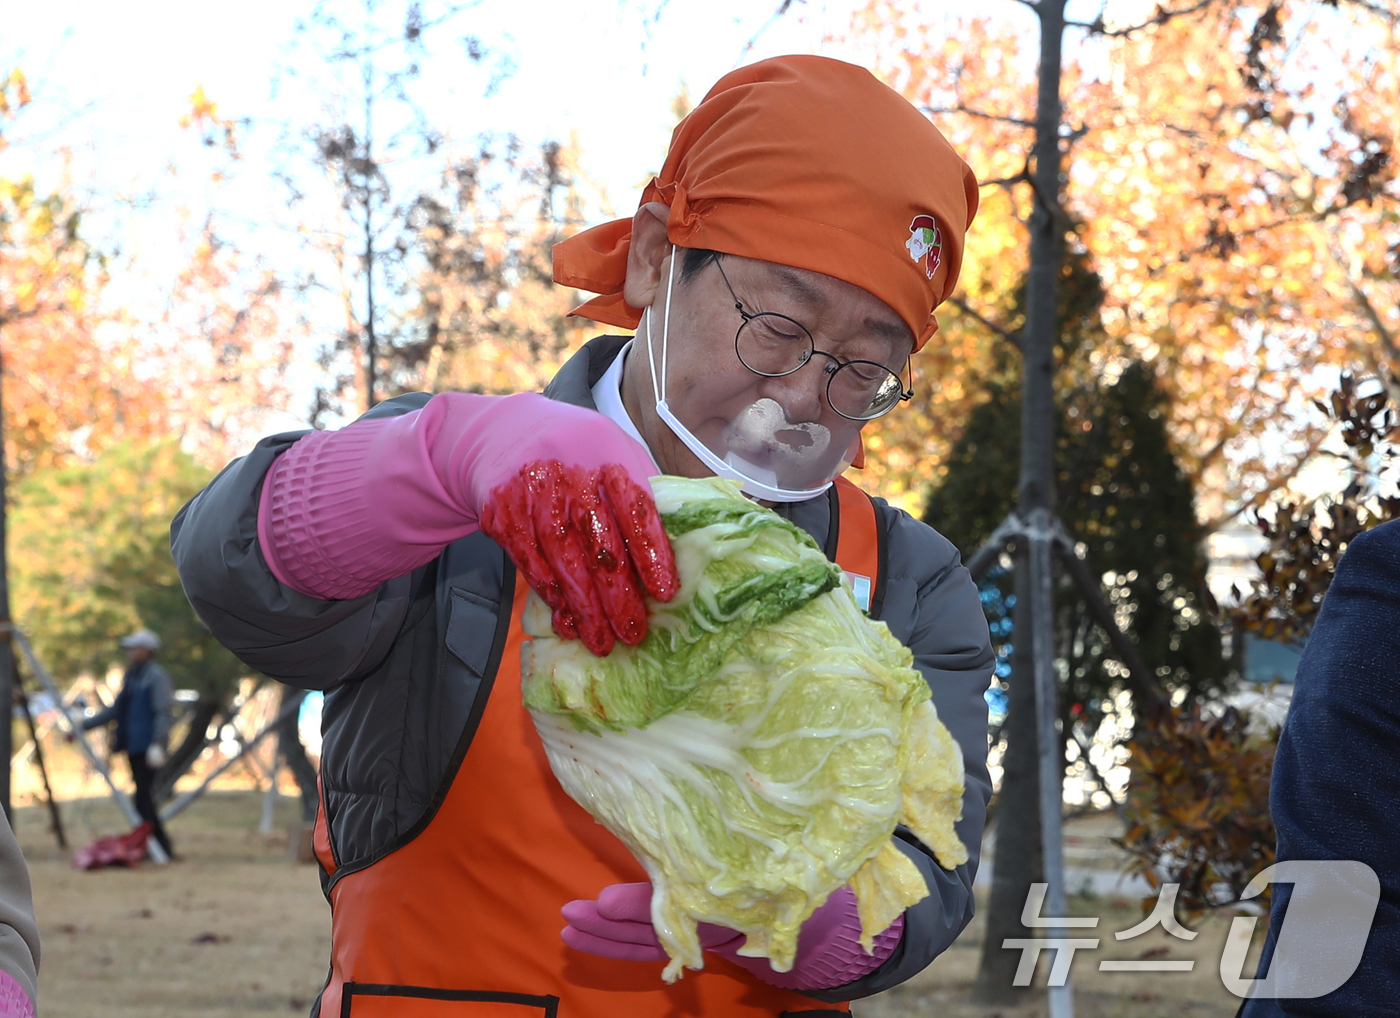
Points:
(386, 563)
(142, 715)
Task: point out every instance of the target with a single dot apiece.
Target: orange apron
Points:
(463, 921)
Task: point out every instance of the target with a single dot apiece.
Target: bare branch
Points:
(783, 8)
(1011, 337)
(1096, 27)
(1262, 495)
(1362, 298)
(1075, 134)
(980, 114)
(1392, 15)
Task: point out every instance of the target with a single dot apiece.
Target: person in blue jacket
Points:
(142, 715)
(1334, 795)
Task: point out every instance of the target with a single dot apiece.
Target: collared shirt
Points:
(607, 397)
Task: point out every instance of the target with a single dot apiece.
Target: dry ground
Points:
(238, 930)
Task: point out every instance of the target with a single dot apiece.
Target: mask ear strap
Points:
(666, 322)
(658, 386)
(651, 358)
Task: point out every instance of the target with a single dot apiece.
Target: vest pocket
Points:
(378, 1000)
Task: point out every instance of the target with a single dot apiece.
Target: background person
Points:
(142, 713)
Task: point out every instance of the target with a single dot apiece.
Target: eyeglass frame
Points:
(905, 394)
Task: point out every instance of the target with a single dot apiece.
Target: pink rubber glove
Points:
(618, 925)
(14, 1002)
(563, 489)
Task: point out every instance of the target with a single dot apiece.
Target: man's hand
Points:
(155, 757)
(618, 925)
(591, 544)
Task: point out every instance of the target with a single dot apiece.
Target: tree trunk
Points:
(293, 752)
(206, 709)
(1019, 858)
(1016, 860)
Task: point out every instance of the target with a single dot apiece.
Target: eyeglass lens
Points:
(775, 345)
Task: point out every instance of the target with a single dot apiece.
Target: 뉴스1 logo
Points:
(926, 242)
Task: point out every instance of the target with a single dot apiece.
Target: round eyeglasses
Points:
(775, 345)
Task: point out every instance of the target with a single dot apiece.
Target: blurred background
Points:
(220, 222)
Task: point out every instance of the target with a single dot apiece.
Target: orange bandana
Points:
(809, 162)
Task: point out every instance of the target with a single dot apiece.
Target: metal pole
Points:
(1051, 747)
(178, 805)
(55, 817)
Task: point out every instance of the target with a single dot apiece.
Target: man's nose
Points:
(802, 394)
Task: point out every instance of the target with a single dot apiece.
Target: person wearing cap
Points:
(780, 274)
(142, 714)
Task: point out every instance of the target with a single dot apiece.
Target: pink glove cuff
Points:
(14, 1002)
(343, 511)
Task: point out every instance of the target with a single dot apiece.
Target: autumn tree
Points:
(1184, 178)
(486, 315)
(374, 148)
(90, 561)
(1232, 173)
(1198, 803)
(1119, 492)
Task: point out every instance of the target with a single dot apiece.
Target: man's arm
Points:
(103, 717)
(298, 639)
(932, 605)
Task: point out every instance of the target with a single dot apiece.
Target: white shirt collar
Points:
(607, 397)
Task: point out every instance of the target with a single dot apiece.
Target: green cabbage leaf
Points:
(757, 749)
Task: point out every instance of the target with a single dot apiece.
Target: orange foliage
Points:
(67, 391)
(1232, 175)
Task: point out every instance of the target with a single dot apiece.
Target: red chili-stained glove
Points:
(618, 925)
(563, 489)
(590, 542)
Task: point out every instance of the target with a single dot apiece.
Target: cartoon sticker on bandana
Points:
(926, 242)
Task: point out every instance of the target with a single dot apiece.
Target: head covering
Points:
(143, 638)
(809, 162)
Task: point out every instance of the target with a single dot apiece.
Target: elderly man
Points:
(780, 272)
(142, 715)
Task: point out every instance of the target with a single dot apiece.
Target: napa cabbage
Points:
(757, 749)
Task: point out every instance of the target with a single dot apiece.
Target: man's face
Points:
(135, 655)
(708, 386)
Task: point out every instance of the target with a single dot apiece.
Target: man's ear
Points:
(646, 254)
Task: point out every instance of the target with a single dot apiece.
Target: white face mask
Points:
(769, 455)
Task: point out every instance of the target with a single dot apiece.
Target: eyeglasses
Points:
(775, 345)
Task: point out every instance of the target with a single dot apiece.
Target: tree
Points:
(1198, 804)
(1242, 348)
(375, 137)
(1232, 172)
(1120, 492)
(487, 316)
(107, 571)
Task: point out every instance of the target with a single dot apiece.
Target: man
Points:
(778, 302)
(142, 714)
